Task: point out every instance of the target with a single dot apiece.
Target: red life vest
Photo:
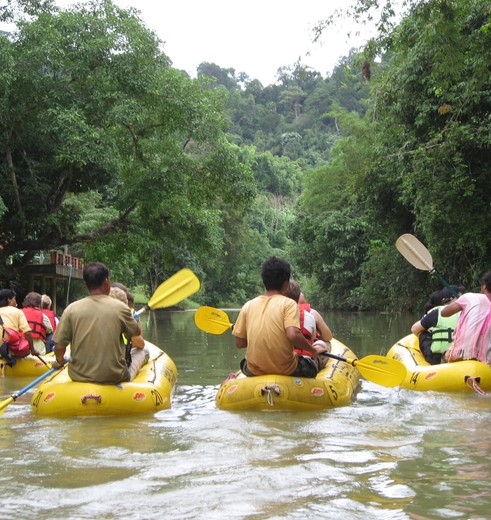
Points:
(308, 328)
(51, 316)
(35, 320)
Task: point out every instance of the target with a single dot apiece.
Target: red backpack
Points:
(13, 343)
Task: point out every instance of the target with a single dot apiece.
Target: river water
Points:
(392, 454)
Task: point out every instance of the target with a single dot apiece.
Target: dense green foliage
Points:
(111, 151)
(432, 116)
(418, 162)
(105, 144)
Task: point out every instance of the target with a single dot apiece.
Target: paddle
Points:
(211, 320)
(417, 255)
(13, 397)
(175, 289)
(41, 359)
(378, 369)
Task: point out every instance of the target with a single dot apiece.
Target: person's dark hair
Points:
(275, 272)
(32, 299)
(293, 291)
(486, 280)
(5, 296)
(131, 299)
(95, 273)
(442, 297)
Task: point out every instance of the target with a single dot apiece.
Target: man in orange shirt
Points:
(269, 326)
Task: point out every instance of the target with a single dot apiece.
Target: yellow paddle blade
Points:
(380, 370)
(211, 320)
(415, 252)
(175, 289)
(4, 404)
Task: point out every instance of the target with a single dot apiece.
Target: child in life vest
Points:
(312, 324)
(38, 321)
(136, 352)
(47, 311)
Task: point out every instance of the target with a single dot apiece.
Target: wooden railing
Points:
(64, 259)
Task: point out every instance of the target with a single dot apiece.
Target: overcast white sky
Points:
(253, 36)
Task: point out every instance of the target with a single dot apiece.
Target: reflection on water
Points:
(392, 454)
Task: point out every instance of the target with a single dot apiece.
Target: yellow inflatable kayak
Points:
(335, 385)
(29, 366)
(149, 392)
(459, 376)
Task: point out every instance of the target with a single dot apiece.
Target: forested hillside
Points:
(109, 150)
(387, 147)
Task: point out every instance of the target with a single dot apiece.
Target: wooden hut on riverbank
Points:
(55, 277)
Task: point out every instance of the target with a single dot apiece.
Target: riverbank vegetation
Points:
(111, 152)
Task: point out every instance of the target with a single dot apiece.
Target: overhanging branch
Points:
(108, 228)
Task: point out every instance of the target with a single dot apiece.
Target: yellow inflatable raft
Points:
(335, 385)
(149, 392)
(29, 366)
(459, 376)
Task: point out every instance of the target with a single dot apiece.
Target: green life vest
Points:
(442, 332)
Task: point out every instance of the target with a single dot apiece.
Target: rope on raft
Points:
(473, 383)
(269, 390)
(97, 398)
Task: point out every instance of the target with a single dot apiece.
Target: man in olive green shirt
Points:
(94, 328)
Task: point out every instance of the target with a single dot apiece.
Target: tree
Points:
(277, 175)
(91, 105)
(219, 76)
(432, 117)
(426, 166)
(331, 230)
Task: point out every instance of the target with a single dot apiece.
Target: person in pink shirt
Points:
(472, 338)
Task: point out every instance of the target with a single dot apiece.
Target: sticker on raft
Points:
(297, 382)
(231, 389)
(139, 396)
(317, 391)
(49, 397)
(430, 375)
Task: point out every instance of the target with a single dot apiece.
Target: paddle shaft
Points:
(340, 358)
(14, 396)
(41, 359)
(145, 308)
(445, 283)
